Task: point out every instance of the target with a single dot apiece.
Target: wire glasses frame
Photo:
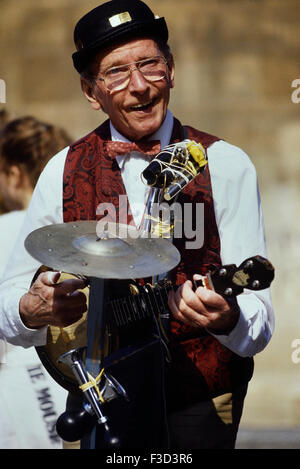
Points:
(117, 78)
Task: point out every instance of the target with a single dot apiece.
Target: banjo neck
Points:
(255, 273)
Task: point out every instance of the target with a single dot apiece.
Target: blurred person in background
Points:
(27, 393)
(4, 119)
(26, 145)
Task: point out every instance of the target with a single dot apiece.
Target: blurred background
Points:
(236, 61)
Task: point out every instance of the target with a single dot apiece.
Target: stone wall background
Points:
(235, 63)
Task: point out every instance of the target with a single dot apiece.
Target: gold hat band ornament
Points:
(120, 18)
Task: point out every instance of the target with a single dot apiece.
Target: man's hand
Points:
(204, 308)
(51, 303)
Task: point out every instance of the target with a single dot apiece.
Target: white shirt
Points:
(10, 224)
(238, 216)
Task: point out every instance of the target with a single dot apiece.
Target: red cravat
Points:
(115, 148)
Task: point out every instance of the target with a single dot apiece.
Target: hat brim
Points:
(157, 29)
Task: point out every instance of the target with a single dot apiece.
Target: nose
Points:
(137, 82)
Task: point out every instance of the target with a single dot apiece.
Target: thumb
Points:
(198, 280)
(50, 278)
(198, 277)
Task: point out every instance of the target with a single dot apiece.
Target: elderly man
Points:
(127, 71)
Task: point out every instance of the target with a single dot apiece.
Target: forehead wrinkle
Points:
(116, 56)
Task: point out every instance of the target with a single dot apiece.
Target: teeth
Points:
(140, 106)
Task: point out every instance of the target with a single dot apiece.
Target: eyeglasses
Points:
(118, 78)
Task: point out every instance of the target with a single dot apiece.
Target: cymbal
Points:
(115, 251)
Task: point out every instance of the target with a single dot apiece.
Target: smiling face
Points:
(138, 110)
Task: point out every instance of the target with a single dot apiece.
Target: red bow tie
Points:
(115, 148)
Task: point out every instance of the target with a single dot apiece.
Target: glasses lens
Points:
(116, 77)
(153, 69)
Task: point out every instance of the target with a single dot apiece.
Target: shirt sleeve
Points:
(241, 228)
(45, 208)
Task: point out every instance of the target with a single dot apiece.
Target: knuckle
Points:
(203, 293)
(208, 296)
(44, 276)
(46, 299)
(40, 278)
(184, 308)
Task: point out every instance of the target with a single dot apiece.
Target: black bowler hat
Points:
(112, 22)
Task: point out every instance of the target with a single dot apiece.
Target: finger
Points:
(182, 312)
(187, 301)
(198, 276)
(75, 301)
(69, 286)
(49, 278)
(171, 302)
(68, 309)
(210, 299)
(65, 319)
(174, 308)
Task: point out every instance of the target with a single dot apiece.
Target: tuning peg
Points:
(256, 284)
(222, 272)
(249, 264)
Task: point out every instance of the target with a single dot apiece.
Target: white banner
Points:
(30, 401)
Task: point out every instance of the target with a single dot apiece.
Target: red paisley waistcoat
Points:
(201, 366)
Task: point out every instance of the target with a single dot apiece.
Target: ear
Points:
(15, 176)
(171, 67)
(88, 91)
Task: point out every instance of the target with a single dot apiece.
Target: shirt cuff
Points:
(14, 330)
(253, 329)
